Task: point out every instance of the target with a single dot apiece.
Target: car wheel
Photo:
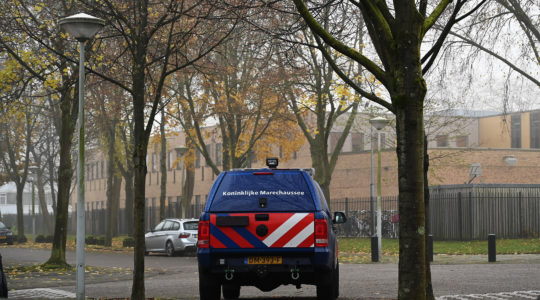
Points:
(326, 289)
(336, 281)
(231, 291)
(169, 248)
(209, 287)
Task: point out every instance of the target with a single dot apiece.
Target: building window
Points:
(442, 141)
(202, 174)
(462, 141)
(170, 160)
(535, 130)
(515, 131)
(357, 140)
(197, 159)
(219, 155)
(154, 163)
(3, 198)
(102, 169)
(178, 160)
(295, 155)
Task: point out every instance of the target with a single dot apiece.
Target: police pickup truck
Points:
(265, 228)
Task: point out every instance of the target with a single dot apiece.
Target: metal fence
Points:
(96, 218)
(459, 212)
(471, 212)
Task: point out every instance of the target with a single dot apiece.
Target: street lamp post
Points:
(82, 27)
(379, 123)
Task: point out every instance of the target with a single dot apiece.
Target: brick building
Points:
(506, 147)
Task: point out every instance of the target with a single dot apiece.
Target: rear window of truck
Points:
(266, 190)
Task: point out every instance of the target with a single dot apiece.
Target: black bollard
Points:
(374, 249)
(430, 247)
(492, 248)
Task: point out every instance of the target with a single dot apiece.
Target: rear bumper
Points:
(185, 245)
(299, 266)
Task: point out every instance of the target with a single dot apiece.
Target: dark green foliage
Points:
(128, 242)
(95, 240)
(44, 238)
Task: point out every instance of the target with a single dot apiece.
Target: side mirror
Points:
(339, 217)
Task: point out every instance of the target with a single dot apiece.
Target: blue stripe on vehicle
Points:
(224, 239)
(253, 240)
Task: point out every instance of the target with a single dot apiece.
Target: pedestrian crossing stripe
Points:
(517, 295)
(41, 293)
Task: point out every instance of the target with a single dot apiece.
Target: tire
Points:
(231, 291)
(169, 248)
(209, 287)
(336, 281)
(326, 288)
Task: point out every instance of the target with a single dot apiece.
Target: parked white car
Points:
(172, 236)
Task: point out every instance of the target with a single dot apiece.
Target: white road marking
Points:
(517, 295)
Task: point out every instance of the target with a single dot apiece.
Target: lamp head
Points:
(379, 122)
(81, 26)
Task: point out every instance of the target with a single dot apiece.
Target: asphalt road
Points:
(176, 277)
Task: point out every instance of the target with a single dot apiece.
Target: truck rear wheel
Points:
(328, 286)
(231, 291)
(209, 287)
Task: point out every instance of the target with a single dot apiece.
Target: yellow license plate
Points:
(264, 260)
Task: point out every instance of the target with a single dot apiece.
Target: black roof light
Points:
(272, 162)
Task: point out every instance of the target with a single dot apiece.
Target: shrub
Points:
(91, 240)
(40, 239)
(100, 240)
(128, 242)
(44, 238)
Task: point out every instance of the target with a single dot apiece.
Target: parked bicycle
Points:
(359, 224)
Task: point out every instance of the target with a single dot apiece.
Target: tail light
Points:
(183, 235)
(204, 234)
(321, 233)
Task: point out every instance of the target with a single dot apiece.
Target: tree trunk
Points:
(139, 164)
(115, 205)
(21, 238)
(130, 196)
(111, 170)
(412, 276)
(163, 167)
(189, 182)
(319, 161)
(65, 176)
(429, 285)
(43, 203)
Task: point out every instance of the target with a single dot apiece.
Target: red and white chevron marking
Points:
(296, 231)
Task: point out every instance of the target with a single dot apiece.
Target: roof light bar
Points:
(272, 162)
